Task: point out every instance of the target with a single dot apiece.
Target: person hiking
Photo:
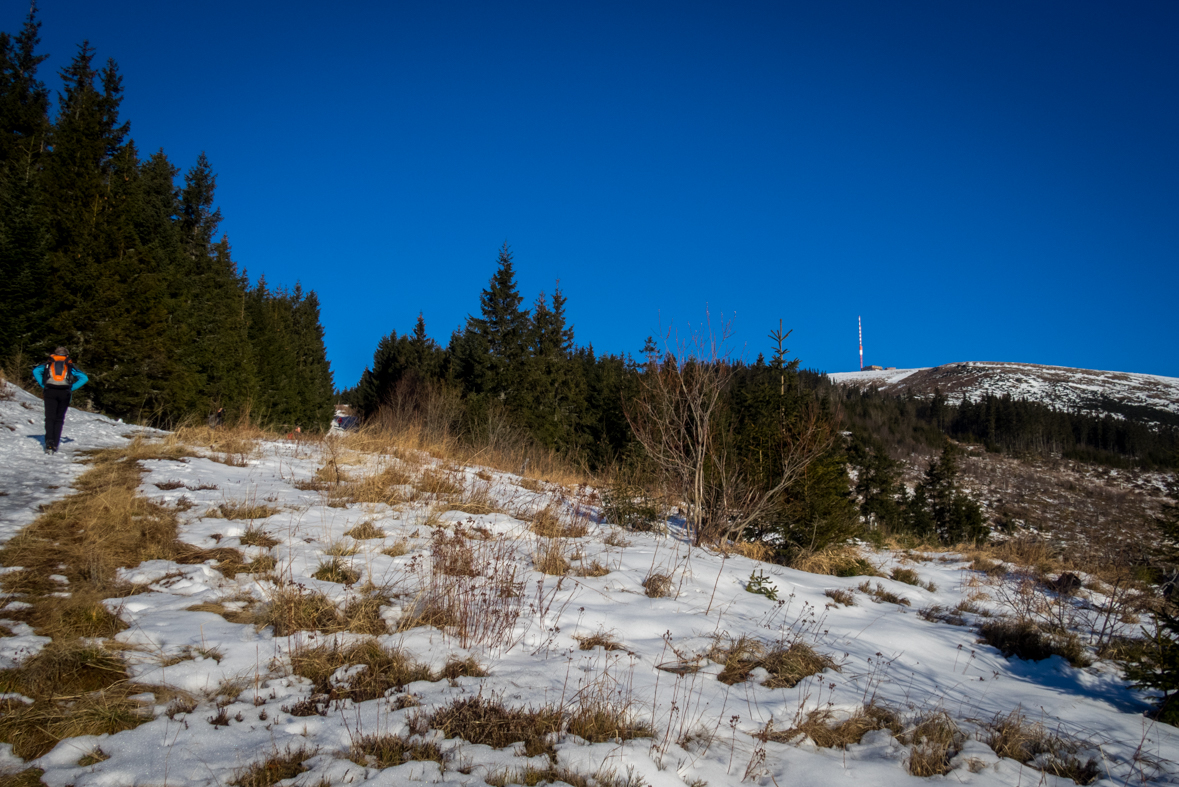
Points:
(60, 378)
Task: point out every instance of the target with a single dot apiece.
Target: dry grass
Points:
(257, 537)
(489, 721)
(104, 526)
(77, 689)
(841, 596)
(550, 557)
(397, 548)
(836, 561)
(939, 614)
(278, 766)
(935, 739)
(786, 663)
(242, 509)
(1030, 743)
(365, 531)
(599, 639)
(291, 609)
(658, 585)
(468, 587)
(1026, 640)
(881, 595)
(549, 522)
(827, 730)
(384, 669)
(387, 751)
(336, 570)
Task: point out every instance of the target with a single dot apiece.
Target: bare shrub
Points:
(468, 588)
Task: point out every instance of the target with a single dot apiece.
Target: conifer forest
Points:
(109, 251)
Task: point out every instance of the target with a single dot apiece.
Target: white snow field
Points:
(702, 731)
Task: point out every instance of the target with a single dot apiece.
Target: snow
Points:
(1060, 387)
(885, 652)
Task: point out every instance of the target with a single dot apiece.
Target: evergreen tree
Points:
(503, 331)
(24, 123)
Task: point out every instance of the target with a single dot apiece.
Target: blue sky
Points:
(980, 181)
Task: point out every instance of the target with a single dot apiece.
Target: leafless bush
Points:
(467, 587)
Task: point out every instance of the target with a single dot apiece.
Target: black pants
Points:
(57, 401)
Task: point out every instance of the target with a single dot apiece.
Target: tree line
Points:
(113, 255)
(1004, 424)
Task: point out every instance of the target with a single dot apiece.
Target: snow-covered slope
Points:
(703, 731)
(1143, 396)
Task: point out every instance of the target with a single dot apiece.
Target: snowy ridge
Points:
(704, 730)
(1123, 394)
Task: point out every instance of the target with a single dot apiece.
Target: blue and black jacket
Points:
(75, 377)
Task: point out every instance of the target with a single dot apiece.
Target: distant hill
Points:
(1140, 397)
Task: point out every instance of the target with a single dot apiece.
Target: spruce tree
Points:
(495, 356)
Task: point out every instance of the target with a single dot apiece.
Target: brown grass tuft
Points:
(274, 769)
(836, 561)
(257, 537)
(881, 595)
(658, 585)
(387, 751)
(1026, 640)
(787, 664)
(599, 639)
(935, 740)
(841, 596)
(384, 669)
(550, 557)
(489, 721)
(1015, 737)
(336, 570)
(822, 728)
(365, 531)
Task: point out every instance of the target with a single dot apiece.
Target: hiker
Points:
(60, 378)
(217, 418)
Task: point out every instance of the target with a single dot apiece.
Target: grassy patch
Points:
(550, 558)
(336, 570)
(935, 740)
(836, 561)
(827, 730)
(786, 663)
(257, 537)
(387, 751)
(489, 721)
(1030, 743)
(243, 509)
(549, 523)
(275, 768)
(77, 689)
(599, 639)
(881, 595)
(906, 575)
(658, 585)
(365, 531)
(841, 596)
(291, 609)
(1025, 640)
(383, 669)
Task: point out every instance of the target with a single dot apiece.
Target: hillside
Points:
(1144, 397)
(351, 610)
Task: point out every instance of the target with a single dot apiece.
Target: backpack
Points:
(59, 372)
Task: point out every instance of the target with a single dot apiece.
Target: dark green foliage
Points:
(1157, 667)
(101, 252)
(940, 507)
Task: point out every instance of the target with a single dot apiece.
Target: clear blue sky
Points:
(981, 181)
